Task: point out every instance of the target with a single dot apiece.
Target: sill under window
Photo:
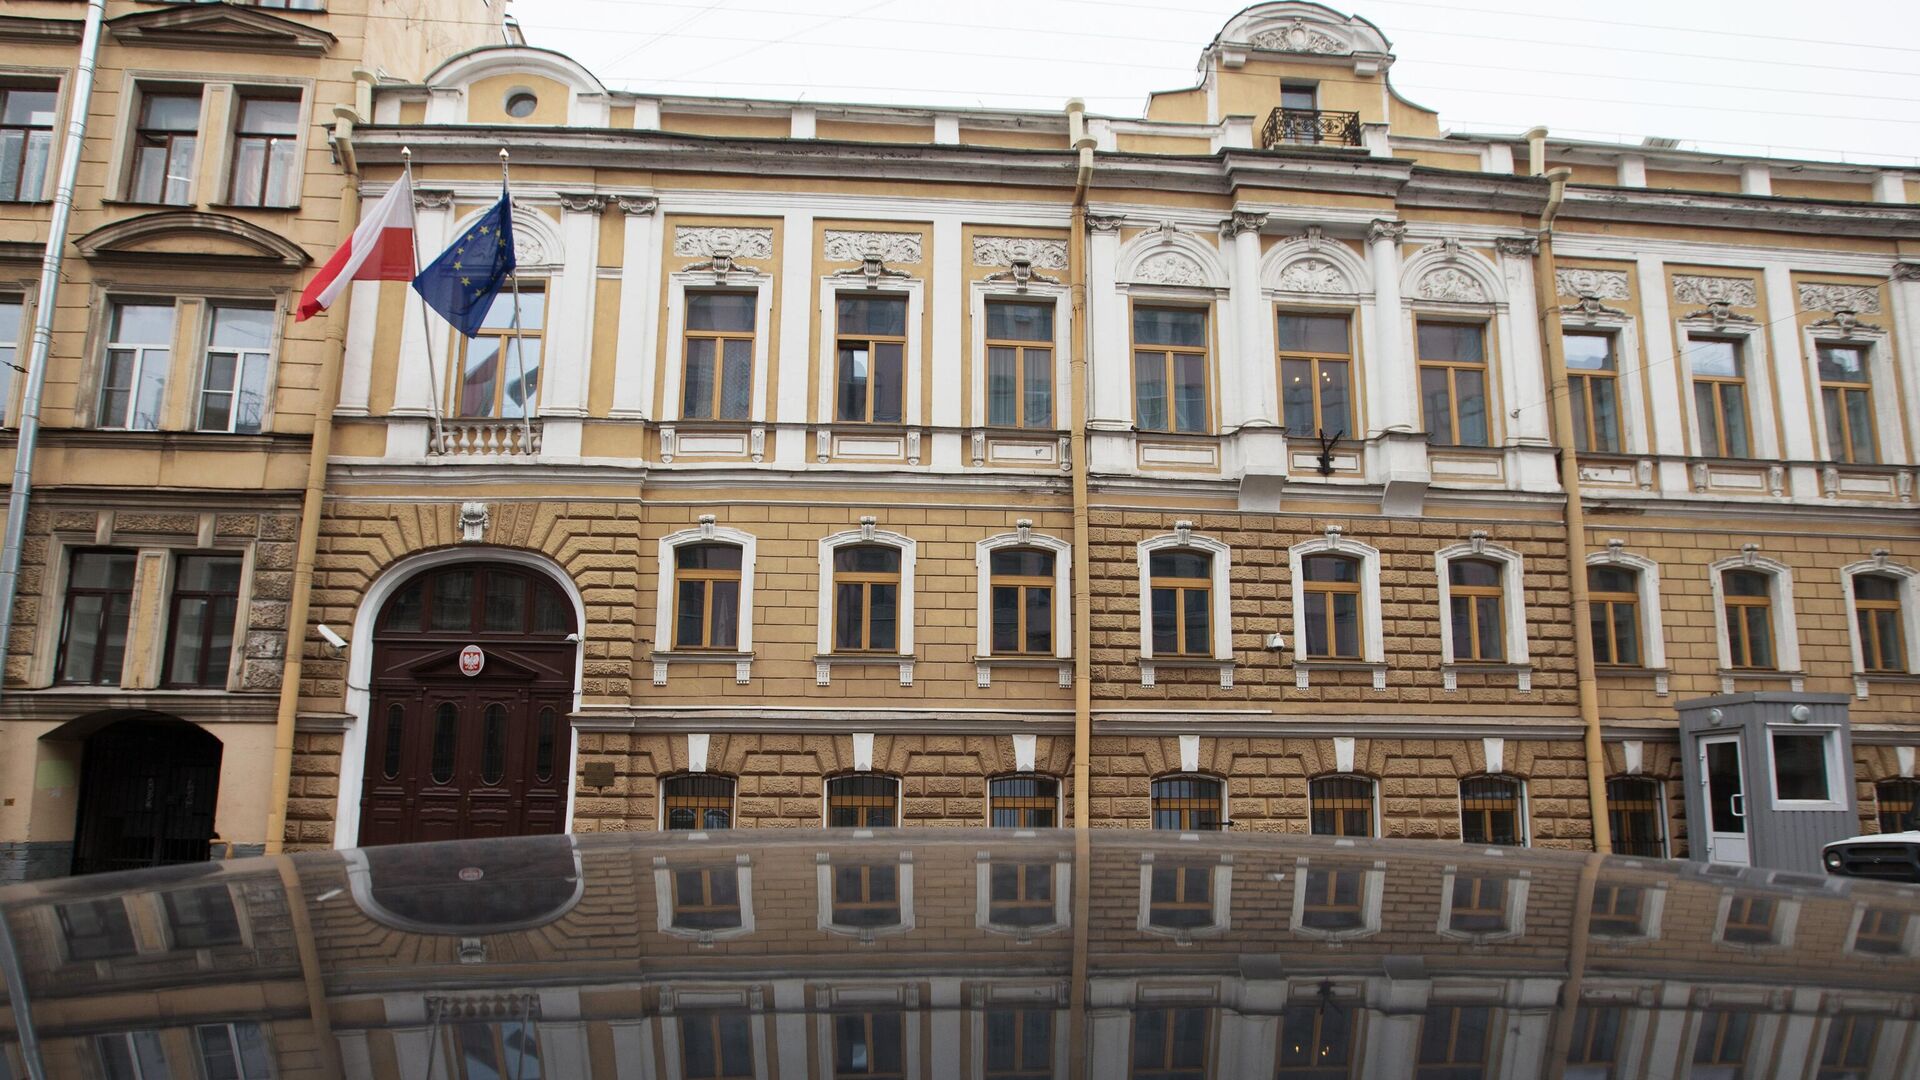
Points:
(1728, 676)
(824, 663)
(1303, 667)
(983, 666)
(149, 205)
(254, 206)
(1150, 665)
(1450, 673)
(742, 662)
(1659, 675)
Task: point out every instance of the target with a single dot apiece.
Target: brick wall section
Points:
(313, 790)
(1262, 596)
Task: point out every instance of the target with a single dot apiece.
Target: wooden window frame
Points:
(1875, 652)
(1452, 368)
(1739, 635)
(534, 336)
(1716, 385)
(1620, 805)
(24, 193)
(1325, 901)
(720, 339)
(1849, 442)
(707, 579)
(864, 900)
(907, 1052)
(1315, 1068)
(1341, 804)
(712, 1019)
(176, 594)
(241, 137)
(1580, 384)
(1447, 1066)
(707, 906)
(867, 579)
(1021, 583)
(1314, 360)
(1181, 586)
(1020, 1045)
(1586, 1046)
(67, 595)
(1171, 1063)
(1000, 905)
(699, 803)
(1167, 355)
(844, 340)
(1610, 915)
(167, 140)
(1607, 651)
(1518, 790)
(1750, 920)
(1189, 804)
(1018, 803)
(1480, 889)
(860, 800)
(1021, 347)
(1456, 592)
(1842, 1029)
(1875, 937)
(1884, 806)
(1327, 591)
(1718, 1049)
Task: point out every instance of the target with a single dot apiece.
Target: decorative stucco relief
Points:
(1170, 268)
(703, 241)
(1859, 299)
(1313, 276)
(889, 247)
(1298, 37)
(1447, 283)
(1005, 250)
(1694, 289)
(1598, 284)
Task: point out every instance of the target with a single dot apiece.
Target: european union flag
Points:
(462, 282)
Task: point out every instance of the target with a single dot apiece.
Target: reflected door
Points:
(1726, 799)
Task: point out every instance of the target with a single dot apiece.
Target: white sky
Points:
(1782, 77)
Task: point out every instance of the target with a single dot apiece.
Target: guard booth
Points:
(1769, 778)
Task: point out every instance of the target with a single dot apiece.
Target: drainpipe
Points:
(43, 307)
(329, 397)
(1082, 586)
(1550, 330)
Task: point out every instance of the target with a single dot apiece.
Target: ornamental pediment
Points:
(236, 29)
(187, 236)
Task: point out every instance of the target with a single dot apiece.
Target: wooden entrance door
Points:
(468, 734)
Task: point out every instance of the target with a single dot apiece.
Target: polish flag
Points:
(381, 249)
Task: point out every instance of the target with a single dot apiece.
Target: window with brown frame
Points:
(706, 898)
(1595, 1045)
(1019, 1044)
(1023, 802)
(1748, 597)
(869, 1046)
(1848, 1051)
(497, 371)
(266, 144)
(1316, 1042)
(716, 1045)
(1316, 364)
(1453, 382)
(1846, 400)
(1335, 899)
(1021, 592)
(166, 139)
(96, 929)
(696, 801)
(200, 619)
(706, 596)
(1717, 367)
(1181, 896)
(1171, 1044)
(866, 895)
(1479, 904)
(1181, 594)
(1330, 593)
(717, 383)
(1340, 806)
(93, 629)
(1749, 920)
(1877, 618)
(1720, 1045)
(863, 801)
(1894, 802)
(1883, 932)
(1613, 594)
(866, 598)
(1491, 811)
(1020, 893)
(1593, 388)
(1618, 910)
(1187, 803)
(1170, 370)
(870, 382)
(1453, 1042)
(201, 917)
(1636, 817)
(26, 141)
(1476, 597)
(1019, 364)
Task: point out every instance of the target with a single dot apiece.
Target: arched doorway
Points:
(147, 791)
(471, 683)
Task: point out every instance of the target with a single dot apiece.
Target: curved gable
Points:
(191, 236)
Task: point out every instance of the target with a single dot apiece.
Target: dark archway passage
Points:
(147, 792)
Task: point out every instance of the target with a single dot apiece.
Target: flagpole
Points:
(426, 321)
(519, 346)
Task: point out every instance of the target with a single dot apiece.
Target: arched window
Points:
(484, 599)
(696, 801)
(1613, 593)
(1748, 598)
(1476, 597)
(1188, 803)
(1182, 602)
(863, 801)
(1895, 800)
(1637, 816)
(1341, 806)
(1023, 802)
(706, 596)
(1022, 602)
(1330, 625)
(1877, 618)
(866, 598)
(1493, 810)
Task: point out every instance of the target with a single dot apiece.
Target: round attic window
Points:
(521, 103)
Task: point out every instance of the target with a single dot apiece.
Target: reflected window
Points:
(1335, 899)
(1188, 804)
(1614, 615)
(96, 929)
(1848, 1052)
(1170, 370)
(1019, 364)
(1453, 382)
(1750, 920)
(706, 611)
(1316, 1042)
(1024, 802)
(1020, 893)
(870, 1046)
(1894, 805)
(1171, 1044)
(718, 381)
(1340, 806)
(93, 632)
(201, 917)
(1019, 1044)
(706, 898)
(1330, 623)
(699, 801)
(1453, 1042)
(1491, 811)
(1634, 811)
(1182, 896)
(510, 1049)
(1595, 1045)
(1720, 1045)
(497, 371)
(870, 380)
(1618, 910)
(716, 1046)
(237, 1051)
(1479, 904)
(1876, 621)
(1883, 932)
(866, 895)
(131, 1055)
(1181, 596)
(863, 802)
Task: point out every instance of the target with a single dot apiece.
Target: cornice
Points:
(1763, 212)
(31, 30)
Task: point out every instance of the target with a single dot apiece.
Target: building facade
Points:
(144, 665)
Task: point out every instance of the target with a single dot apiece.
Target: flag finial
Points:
(406, 154)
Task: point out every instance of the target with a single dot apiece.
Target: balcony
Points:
(1310, 127)
(485, 438)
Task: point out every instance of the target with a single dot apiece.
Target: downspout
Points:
(43, 308)
(1082, 587)
(1546, 298)
(310, 504)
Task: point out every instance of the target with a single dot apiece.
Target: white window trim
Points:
(1514, 917)
(823, 878)
(1221, 919)
(739, 279)
(1786, 632)
(1909, 580)
(668, 587)
(1062, 590)
(1498, 335)
(1373, 648)
(1372, 890)
(1839, 773)
(1654, 897)
(1909, 941)
(915, 292)
(205, 348)
(1786, 917)
(1756, 365)
(1513, 587)
(1653, 637)
(660, 801)
(1373, 796)
(663, 899)
(983, 896)
(1889, 432)
(110, 302)
(1525, 809)
(1220, 568)
(1634, 436)
(983, 293)
(854, 537)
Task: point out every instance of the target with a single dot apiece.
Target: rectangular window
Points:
(96, 929)
(131, 1055)
(1490, 811)
(1593, 386)
(1181, 897)
(1020, 893)
(707, 898)
(1453, 1042)
(1171, 1044)
(1019, 1044)
(1316, 360)
(1613, 595)
(1334, 899)
(134, 379)
(1170, 370)
(1340, 806)
(1846, 399)
(1595, 1045)
(1802, 766)
(869, 1046)
(870, 380)
(716, 1046)
(1749, 920)
(498, 371)
(202, 917)
(866, 895)
(165, 141)
(233, 384)
(1330, 591)
(93, 633)
(1024, 802)
(1748, 597)
(1453, 382)
(706, 596)
(1848, 1051)
(1019, 364)
(1720, 1045)
(696, 801)
(1479, 905)
(1877, 619)
(12, 322)
(863, 802)
(485, 1051)
(1181, 595)
(1718, 369)
(718, 382)
(1316, 1042)
(1187, 803)
(26, 142)
(1618, 910)
(866, 599)
(234, 1051)
(1021, 582)
(206, 601)
(1634, 811)
(266, 163)
(1883, 932)
(1476, 596)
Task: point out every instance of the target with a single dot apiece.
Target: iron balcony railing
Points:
(1297, 127)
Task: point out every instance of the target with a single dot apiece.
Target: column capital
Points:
(1103, 223)
(1906, 271)
(1517, 245)
(582, 202)
(431, 199)
(1382, 229)
(1243, 222)
(637, 205)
